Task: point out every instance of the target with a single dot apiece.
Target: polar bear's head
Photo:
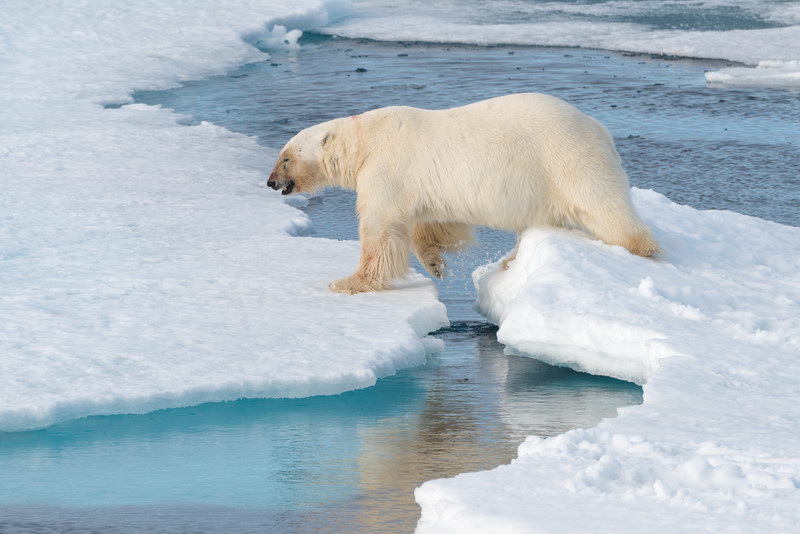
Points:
(300, 167)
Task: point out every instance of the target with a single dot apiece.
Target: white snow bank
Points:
(423, 21)
(714, 330)
(767, 73)
(143, 263)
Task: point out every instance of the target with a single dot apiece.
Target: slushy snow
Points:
(712, 330)
(144, 263)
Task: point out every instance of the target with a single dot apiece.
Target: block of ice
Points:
(767, 73)
(712, 329)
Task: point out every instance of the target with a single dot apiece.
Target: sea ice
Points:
(712, 330)
(144, 263)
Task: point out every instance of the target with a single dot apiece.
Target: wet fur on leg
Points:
(430, 240)
(384, 257)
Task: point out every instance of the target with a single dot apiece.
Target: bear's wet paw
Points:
(431, 259)
(436, 269)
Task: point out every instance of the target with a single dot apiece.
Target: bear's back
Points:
(530, 119)
(497, 162)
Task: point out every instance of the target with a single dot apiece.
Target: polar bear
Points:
(425, 178)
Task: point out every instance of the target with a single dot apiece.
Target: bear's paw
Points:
(354, 284)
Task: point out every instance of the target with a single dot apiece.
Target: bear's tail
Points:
(619, 225)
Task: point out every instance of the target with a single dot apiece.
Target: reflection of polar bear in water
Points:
(425, 178)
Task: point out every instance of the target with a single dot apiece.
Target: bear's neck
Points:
(343, 156)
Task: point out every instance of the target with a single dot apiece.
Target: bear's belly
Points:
(511, 212)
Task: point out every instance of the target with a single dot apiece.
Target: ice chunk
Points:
(712, 328)
(278, 38)
(767, 73)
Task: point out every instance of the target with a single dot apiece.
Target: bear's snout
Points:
(272, 181)
(287, 184)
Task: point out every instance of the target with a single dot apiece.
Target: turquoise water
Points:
(344, 463)
(349, 463)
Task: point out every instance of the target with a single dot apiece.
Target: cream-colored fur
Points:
(425, 178)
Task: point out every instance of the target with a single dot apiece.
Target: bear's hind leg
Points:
(616, 223)
(600, 200)
(384, 256)
(430, 240)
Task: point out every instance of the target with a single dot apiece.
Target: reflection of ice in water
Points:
(479, 405)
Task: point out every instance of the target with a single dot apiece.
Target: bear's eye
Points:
(285, 160)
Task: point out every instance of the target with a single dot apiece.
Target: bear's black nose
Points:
(272, 184)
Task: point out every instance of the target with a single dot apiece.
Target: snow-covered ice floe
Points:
(143, 263)
(712, 330)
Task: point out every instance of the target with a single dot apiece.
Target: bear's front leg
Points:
(384, 254)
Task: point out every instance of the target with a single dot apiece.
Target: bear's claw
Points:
(436, 269)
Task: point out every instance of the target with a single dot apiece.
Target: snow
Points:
(594, 25)
(145, 266)
(144, 263)
(712, 330)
